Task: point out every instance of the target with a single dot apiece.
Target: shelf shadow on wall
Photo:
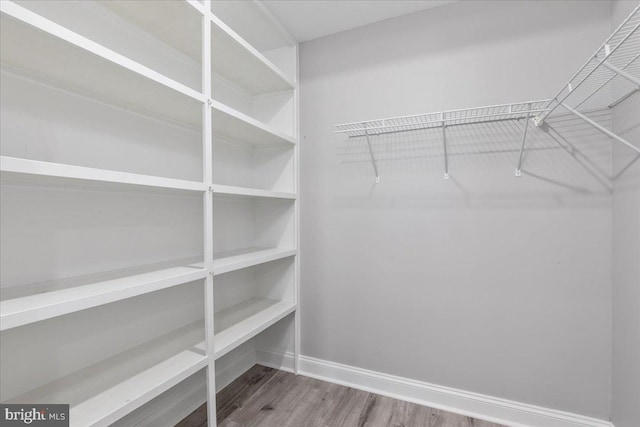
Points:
(626, 170)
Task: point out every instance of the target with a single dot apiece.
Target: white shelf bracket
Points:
(622, 73)
(538, 121)
(444, 146)
(524, 140)
(373, 159)
(601, 128)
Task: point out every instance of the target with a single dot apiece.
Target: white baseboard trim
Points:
(493, 409)
(272, 359)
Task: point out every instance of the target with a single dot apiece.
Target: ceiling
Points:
(310, 19)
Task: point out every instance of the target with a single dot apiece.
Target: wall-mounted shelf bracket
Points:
(538, 121)
(524, 140)
(444, 146)
(601, 128)
(373, 159)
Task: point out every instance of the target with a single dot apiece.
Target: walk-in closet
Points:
(326, 213)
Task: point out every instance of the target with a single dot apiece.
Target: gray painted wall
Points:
(485, 282)
(626, 255)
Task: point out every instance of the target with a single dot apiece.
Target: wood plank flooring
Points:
(267, 397)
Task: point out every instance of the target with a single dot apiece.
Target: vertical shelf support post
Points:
(296, 288)
(601, 128)
(373, 159)
(207, 162)
(524, 140)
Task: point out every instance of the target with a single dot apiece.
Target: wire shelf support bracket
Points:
(373, 158)
(444, 146)
(524, 140)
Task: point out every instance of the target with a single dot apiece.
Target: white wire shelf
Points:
(443, 118)
(615, 66)
(616, 61)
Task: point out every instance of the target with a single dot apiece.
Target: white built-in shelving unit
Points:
(149, 202)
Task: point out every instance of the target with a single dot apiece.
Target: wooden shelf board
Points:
(53, 299)
(25, 171)
(239, 323)
(232, 124)
(65, 59)
(236, 260)
(242, 63)
(176, 23)
(250, 192)
(106, 391)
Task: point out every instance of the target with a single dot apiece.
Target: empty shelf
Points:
(177, 23)
(439, 119)
(235, 260)
(63, 297)
(70, 61)
(238, 61)
(102, 393)
(237, 126)
(239, 323)
(37, 172)
(250, 192)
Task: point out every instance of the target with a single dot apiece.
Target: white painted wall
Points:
(626, 255)
(486, 282)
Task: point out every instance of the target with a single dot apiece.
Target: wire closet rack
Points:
(617, 60)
